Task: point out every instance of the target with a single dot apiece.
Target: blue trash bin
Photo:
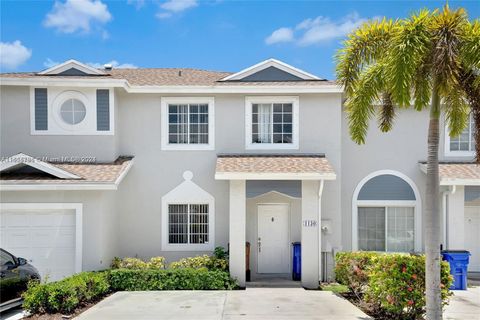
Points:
(297, 261)
(458, 260)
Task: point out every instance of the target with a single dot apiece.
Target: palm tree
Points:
(428, 60)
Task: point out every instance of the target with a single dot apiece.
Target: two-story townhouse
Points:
(174, 162)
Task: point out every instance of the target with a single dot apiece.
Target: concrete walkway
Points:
(249, 304)
(464, 305)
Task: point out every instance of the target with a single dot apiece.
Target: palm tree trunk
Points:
(432, 216)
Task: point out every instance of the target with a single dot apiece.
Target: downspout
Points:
(320, 191)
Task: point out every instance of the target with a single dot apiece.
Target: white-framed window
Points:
(464, 144)
(188, 218)
(188, 224)
(73, 111)
(386, 213)
(271, 122)
(386, 228)
(188, 123)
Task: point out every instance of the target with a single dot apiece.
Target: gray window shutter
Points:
(103, 110)
(41, 109)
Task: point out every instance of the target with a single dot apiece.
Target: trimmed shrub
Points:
(220, 253)
(211, 263)
(136, 263)
(170, 279)
(352, 268)
(66, 295)
(397, 285)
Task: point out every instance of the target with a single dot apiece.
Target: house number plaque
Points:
(309, 223)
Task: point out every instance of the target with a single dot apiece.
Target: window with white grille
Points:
(188, 224)
(188, 123)
(272, 122)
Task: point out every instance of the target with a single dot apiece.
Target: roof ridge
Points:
(172, 68)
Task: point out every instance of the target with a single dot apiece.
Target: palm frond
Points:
(456, 109)
(422, 85)
(411, 41)
(363, 47)
(360, 104)
(387, 113)
(470, 51)
(447, 29)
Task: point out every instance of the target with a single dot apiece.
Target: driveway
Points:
(464, 305)
(252, 303)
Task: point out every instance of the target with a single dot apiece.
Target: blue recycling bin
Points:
(297, 261)
(458, 260)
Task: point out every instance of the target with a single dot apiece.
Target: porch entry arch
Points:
(386, 213)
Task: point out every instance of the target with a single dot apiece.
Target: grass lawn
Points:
(334, 287)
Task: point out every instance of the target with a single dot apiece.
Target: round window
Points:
(73, 111)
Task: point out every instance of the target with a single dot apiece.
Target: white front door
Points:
(472, 236)
(46, 238)
(273, 238)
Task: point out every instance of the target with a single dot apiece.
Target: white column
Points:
(310, 234)
(456, 218)
(237, 230)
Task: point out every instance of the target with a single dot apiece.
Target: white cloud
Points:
(163, 15)
(77, 15)
(50, 63)
(114, 64)
(280, 35)
(317, 30)
(175, 6)
(13, 54)
(137, 3)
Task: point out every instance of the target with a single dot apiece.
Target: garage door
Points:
(46, 238)
(472, 236)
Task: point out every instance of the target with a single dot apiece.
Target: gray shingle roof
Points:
(168, 77)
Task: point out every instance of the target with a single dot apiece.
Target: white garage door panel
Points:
(53, 220)
(60, 237)
(44, 237)
(472, 236)
(16, 237)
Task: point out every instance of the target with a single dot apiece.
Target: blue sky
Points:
(215, 35)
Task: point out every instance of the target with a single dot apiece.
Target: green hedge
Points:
(392, 285)
(66, 295)
(170, 279)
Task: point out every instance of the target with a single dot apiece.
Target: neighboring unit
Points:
(175, 162)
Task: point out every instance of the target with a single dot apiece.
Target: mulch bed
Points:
(365, 307)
